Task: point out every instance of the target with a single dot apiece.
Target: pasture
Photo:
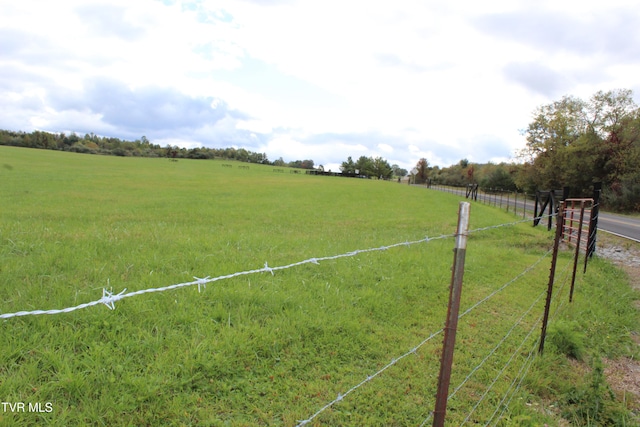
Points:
(257, 349)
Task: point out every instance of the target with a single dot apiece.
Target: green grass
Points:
(258, 349)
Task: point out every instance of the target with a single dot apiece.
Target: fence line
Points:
(109, 298)
(368, 379)
(413, 350)
(529, 361)
(532, 329)
(535, 324)
(524, 370)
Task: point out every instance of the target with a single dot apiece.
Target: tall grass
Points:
(251, 350)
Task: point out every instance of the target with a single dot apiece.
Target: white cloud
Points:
(313, 80)
(385, 148)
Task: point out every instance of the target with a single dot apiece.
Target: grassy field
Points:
(266, 349)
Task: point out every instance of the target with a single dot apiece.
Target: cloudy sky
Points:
(319, 80)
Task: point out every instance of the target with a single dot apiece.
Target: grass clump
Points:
(566, 339)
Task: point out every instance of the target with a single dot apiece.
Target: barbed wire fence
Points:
(109, 298)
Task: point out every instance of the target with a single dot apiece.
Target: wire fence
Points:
(109, 298)
(520, 204)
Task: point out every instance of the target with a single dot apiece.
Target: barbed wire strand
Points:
(484, 395)
(109, 298)
(368, 379)
(394, 361)
(528, 269)
(495, 349)
(527, 363)
(524, 370)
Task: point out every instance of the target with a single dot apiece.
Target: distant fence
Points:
(520, 204)
(522, 355)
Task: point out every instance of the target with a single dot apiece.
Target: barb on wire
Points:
(201, 282)
(108, 298)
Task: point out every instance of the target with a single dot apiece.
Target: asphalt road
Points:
(622, 226)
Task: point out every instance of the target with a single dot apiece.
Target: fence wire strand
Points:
(394, 361)
(484, 395)
(109, 298)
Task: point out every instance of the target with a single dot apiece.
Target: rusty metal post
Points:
(593, 223)
(552, 273)
(552, 208)
(578, 241)
(451, 324)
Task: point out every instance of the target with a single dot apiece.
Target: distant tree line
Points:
(368, 167)
(94, 144)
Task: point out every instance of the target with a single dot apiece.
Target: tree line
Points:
(376, 167)
(570, 143)
(94, 144)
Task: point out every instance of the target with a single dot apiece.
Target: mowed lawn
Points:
(259, 349)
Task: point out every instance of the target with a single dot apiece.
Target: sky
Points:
(319, 80)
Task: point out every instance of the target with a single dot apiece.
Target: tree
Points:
(574, 143)
(499, 179)
(423, 170)
(380, 168)
(364, 166)
(398, 171)
(348, 167)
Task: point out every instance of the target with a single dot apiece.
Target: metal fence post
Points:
(451, 325)
(552, 273)
(577, 254)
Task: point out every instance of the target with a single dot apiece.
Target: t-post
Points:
(451, 325)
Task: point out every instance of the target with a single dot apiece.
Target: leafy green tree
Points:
(398, 171)
(380, 168)
(499, 179)
(574, 143)
(423, 171)
(348, 167)
(364, 166)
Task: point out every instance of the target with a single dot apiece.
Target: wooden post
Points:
(451, 325)
(552, 273)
